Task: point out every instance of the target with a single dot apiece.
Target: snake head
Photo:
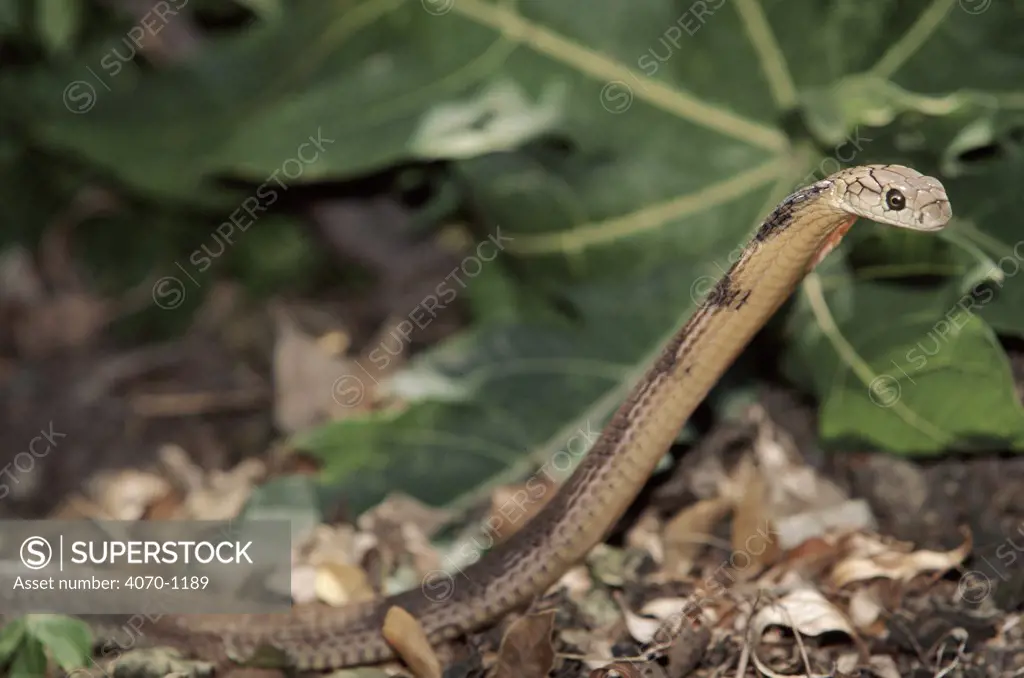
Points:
(894, 195)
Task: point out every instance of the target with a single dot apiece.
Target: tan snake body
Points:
(790, 242)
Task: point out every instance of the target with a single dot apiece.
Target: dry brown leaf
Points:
(800, 502)
(325, 544)
(406, 636)
(402, 526)
(810, 559)
(225, 493)
(324, 564)
(526, 650)
(311, 385)
(865, 610)
(687, 533)
(303, 584)
(804, 610)
(795, 487)
(674, 635)
(654, 615)
(577, 581)
(126, 495)
(339, 584)
(852, 515)
(641, 628)
(181, 469)
(213, 495)
(688, 648)
(398, 508)
(847, 663)
(883, 666)
(664, 608)
(167, 507)
(645, 535)
(870, 558)
(754, 544)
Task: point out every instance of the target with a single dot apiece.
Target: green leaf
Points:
(11, 637)
(68, 640)
(30, 661)
(992, 203)
(57, 22)
(865, 99)
(933, 376)
(169, 135)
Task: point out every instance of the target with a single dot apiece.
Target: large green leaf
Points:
(11, 637)
(679, 125)
(929, 377)
(992, 201)
(68, 640)
(30, 660)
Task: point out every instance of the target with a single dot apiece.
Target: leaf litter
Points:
(776, 568)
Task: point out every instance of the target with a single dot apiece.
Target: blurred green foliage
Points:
(29, 642)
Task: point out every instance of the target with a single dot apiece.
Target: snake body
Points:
(798, 233)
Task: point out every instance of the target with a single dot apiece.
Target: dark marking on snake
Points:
(782, 216)
(667, 360)
(743, 300)
(723, 294)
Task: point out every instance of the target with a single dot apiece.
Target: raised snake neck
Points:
(801, 230)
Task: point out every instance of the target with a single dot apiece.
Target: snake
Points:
(798, 233)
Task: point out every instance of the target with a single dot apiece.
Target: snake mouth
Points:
(934, 217)
(927, 229)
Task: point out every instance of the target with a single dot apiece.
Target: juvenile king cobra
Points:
(791, 241)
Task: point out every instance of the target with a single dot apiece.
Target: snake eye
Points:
(895, 200)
